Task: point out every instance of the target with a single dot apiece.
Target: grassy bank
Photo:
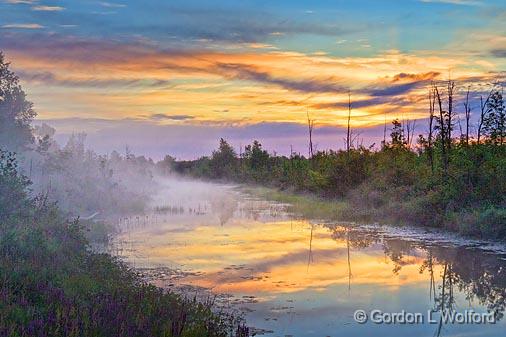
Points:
(314, 207)
(459, 185)
(441, 178)
(307, 205)
(52, 284)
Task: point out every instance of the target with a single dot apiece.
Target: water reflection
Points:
(293, 276)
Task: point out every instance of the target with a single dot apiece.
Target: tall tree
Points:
(397, 134)
(432, 106)
(348, 130)
(224, 160)
(14, 199)
(16, 112)
(257, 157)
(494, 123)
(410, 132)
(483, 113)
(467, 109)
(445, 124)
(310, 125)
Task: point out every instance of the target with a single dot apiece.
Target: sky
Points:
(172, 77)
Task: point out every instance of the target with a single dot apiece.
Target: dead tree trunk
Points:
(410, 130)
(442, 132)
(385, 132)
(348, 133)
(432, 102)
(483, 112)
(449, 119)
(467, 108)
(310, 124)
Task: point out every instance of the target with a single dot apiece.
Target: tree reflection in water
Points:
(480, 276)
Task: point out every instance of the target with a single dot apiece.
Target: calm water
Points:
(292, 276)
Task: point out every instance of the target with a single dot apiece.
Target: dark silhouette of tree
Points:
(348, 129)
(430, 140)
(483, 113)
(310, 126)
(467, 109)
(445, 124)
(494, 124)
(14, 200)
(257, 157)
(16, 112)
(224, 160)
(397, 135)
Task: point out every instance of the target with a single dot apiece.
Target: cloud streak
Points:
(238, 86)
(249, 73)
(22, 26)
(500, 53)
(42, 8)
(111, 4)
(162, 117)
(456, 2)
(25, 2)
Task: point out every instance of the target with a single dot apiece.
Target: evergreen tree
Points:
(224, 160)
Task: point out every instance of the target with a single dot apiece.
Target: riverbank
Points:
(454, 184)
(307, 205)
(293, 274)
(486, 223)
(52, 284)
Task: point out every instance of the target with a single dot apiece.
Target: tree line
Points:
(448, 177)
(51, 281)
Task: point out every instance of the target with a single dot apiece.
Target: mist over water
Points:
(289, 275)
(139, 164)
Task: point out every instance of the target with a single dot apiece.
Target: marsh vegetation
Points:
(444, 178)
(289, 269)
(56, 204)
(120, 245)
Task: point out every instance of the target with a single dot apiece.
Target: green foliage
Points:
(83, 182)
(494, 124)
(14, 201)
(16, 112)
(51, 284)
(492, 220)
(223, 161)
(397, 135)
(257, 157)
(395, 184)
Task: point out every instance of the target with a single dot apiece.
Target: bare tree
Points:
(449, 117)
(348, 133)
(483, 113)
(310, 125)
(410, 132)
(445, 124)
(442, 127)
(467, 109)
(385, 131)
(432, 102)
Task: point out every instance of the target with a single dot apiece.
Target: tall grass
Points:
(52, 284)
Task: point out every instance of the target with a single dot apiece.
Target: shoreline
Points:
(312, 206)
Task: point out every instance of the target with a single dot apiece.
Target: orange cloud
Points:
(252, 83)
